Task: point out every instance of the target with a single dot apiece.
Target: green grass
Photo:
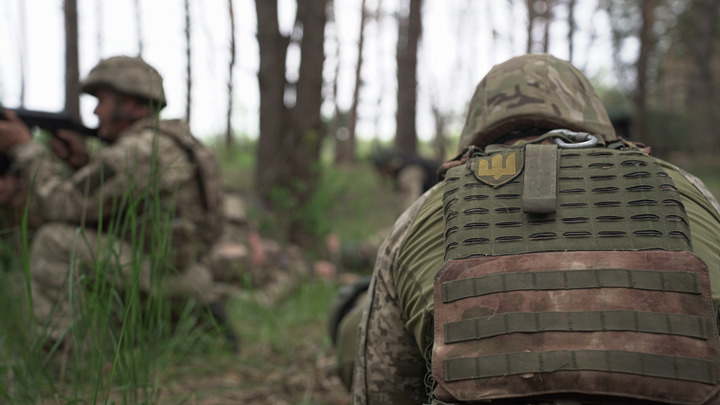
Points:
(131, 347)
(122, 335)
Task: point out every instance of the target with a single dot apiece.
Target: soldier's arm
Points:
(704, 223)
(389, 366)
(91, 192)
(389, 369)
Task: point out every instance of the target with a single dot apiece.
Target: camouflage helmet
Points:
(533, 91)
(126, 75)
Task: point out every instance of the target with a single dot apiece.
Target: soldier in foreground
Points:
(120, 207)
(555, 264)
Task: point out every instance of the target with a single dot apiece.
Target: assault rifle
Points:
(48, 121)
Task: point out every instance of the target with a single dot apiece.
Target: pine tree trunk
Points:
(289, 143)
(188, 55)
(72, 81)
(345, 152)
(409, 32)
(229, 141)
(646, 45)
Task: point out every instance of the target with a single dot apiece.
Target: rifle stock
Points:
(49, 121)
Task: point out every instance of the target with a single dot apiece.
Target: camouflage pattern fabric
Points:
(395, 333)
(389, 368)
(145, 168)
(533, 91)
(127, 75)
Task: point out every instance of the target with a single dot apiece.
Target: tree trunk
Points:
(547, 17)
(99, 20)
(539, 11)
(441, 120)
(646, 45)
(335, 123)
(571, 29)
(290, 138)
(345, 151)
(531, 24)
(271, 80)
(72, 75)
(409, 32)
(22, 48)
(307, 130)
(188, 55)
(229, 132)
(701, 93)
(138, 27)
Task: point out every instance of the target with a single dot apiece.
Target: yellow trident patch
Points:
(499, 168)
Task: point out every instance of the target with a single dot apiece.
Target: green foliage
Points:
(123, 336)
(284, 328)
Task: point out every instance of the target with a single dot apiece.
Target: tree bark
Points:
(72, 69)
(702, 89)
(536, 16)
(345, 151)
(229, 141)
(646, 46)
(188, 55)
(290, 138)
(409, 32)
(571, 29)
(271, 80)
(441, 120)
(22, 48)
(138, 27)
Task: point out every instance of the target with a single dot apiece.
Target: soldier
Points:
(153, 182)
(412, 174)
(556, 263)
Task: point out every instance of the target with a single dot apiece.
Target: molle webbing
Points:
(650, 365)
(578, 321)
(683, 282)
(606, 200)
(626, 325)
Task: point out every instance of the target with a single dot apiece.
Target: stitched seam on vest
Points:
(650, 365)
(587, 321)
(670, 281)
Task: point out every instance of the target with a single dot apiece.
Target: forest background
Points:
(320, 85)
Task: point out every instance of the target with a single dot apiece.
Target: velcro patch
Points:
(499, 168)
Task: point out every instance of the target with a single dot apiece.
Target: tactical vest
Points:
(208, 174)
(569, 274)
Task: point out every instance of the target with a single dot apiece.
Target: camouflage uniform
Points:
(393, 359)
(145, 207)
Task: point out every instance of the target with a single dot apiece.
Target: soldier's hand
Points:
(69, 147)
(12, 131)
